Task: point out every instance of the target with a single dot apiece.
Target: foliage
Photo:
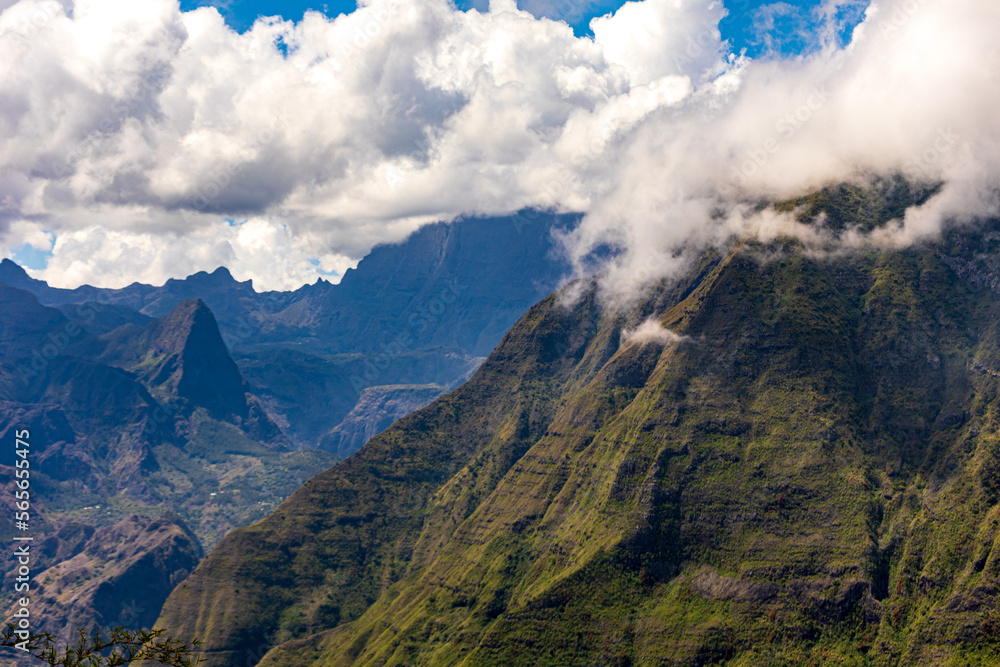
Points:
(95, 649)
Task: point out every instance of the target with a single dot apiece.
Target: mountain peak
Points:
(14, 275)
(176, 328)
(201, 281)
(197, 362)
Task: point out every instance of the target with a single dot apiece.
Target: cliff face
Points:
(375, 411)
(779, 457)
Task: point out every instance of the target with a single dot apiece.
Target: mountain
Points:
(375, 411)
(424, 311)
(218, 288)
(199, 403)
(458, 286)
(114, 575)
(784, 456)
(135, 433)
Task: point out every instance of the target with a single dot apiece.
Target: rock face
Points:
(116, 575)
(797, 464)
(193, 361)
(374, 412)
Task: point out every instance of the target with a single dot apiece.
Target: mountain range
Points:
(788, 454)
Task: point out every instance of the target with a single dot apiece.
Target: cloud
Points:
(261, 250)
(650, 331)
(913, 92)
(134, 126)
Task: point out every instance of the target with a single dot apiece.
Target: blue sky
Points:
(759, 26)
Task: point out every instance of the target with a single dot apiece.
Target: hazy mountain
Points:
(375, 411)
(781, 457)
(424, 311)
(149, 418)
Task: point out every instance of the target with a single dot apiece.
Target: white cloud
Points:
(914, 92)
(254, 249)
(133, 130)
(653, 39)
(650, 331)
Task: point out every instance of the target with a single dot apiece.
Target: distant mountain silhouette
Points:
(424, 311)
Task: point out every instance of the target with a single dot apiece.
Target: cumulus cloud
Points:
(134, 131)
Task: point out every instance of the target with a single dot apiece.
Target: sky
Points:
(145, 139)
(753, 25)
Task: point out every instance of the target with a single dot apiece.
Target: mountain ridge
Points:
(423, 311)
(144, 403)
(800, 467)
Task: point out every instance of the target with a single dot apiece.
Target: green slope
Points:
(808, 475)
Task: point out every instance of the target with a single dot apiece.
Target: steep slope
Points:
(120, 575)
(795, 462)
(332, 549)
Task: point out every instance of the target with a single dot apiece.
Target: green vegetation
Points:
(807, 477)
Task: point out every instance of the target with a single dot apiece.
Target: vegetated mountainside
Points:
(424, 311)
(138, 410)
(806, 470)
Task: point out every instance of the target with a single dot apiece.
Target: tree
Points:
(95, 649)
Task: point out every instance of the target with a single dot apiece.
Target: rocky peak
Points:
(12, 274)
(196, 362)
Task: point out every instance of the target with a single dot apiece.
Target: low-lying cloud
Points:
(650, 331)
(143, 139)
